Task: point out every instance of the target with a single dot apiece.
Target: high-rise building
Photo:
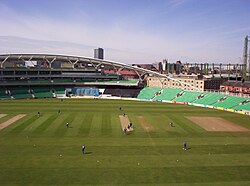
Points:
(164, 64)
(99, 53)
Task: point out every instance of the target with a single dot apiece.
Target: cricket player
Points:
(67, 125)
(83, 148)
(125, 131)
(185, 145)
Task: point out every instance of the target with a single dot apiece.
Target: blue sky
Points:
(130, 31)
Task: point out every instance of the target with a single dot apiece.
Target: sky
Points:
(130, 31)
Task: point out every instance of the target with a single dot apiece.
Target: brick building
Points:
(236, 88)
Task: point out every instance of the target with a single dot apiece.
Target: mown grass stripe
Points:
(45, 124)
(95, 129)
(57, 122)
(133, 175)
(86, 124)
(179, 121)
(176, 128)
(19, 128)
(6, 117)
(62, 129)
(76, 124)
(31, 128)
(115, 124)
(106, 124)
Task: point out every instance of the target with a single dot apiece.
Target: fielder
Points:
(83, 148)
(185, 145)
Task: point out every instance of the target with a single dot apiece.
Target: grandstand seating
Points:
(148, 93)
(60, 91)
(3, 95)
(122, 92)
(243, 107)
(42, 92)
(59, 88)
(188, 96)
(43, 95)
(209, 98)
(192, 97)
(20, 92)
(230, 102)
(168, 94)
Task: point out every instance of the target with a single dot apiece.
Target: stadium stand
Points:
(148, 93)
(20, 92)
(42, 92)
(215, 99)
(167, 94)
(230, 102)
(188, 96)
(209, 98)
(122, 92)
(58, 90)
(245, 106)
(3, 94)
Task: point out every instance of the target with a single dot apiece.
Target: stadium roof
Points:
(96, 63)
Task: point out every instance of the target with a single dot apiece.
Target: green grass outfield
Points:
(30, 148)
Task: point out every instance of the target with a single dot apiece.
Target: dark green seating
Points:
(168, 94)
(148, 93)
(188, 96)
(209, 98)
(230, 102)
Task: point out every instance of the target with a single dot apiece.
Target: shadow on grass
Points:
(88, 152)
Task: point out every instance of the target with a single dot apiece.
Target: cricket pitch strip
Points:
(216, 124)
